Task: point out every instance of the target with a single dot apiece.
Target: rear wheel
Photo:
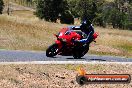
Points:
(77, 55)
(79, 52)
(52, 50)
(85, 50)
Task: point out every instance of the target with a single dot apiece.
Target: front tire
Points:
(52, 50)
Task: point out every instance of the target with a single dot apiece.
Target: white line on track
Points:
(63, 62)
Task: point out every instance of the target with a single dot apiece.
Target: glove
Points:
(73, 28)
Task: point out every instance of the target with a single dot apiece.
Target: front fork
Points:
(61, 45)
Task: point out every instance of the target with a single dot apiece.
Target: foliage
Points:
(87, 9)
(1, 6)
(67, 18)
(73, 5)
(117, 13)
(50, 9)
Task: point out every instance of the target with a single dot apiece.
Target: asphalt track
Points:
(28, 56)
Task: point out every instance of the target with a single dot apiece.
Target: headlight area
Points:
(63, 40)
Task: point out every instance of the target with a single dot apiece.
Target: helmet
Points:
(85, 24)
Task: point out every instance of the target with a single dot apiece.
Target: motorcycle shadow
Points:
(87, 59)
(75, 58)
(97, 59)
(52, 57)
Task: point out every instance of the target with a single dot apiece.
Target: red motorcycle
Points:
(65, 45)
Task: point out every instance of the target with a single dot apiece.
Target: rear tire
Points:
(80, 52)
(52, 50)
(76, 55)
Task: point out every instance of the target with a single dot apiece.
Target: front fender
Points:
(59, 43)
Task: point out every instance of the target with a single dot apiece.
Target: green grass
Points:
(126, 47)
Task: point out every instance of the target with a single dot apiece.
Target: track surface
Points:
(23, 56)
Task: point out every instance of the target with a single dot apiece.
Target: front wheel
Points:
(52, 50)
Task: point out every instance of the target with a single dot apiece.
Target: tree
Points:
(67, 18)
(119, 14)
(115, 13)
(87, 9)
(73, 5)
(1, 6)
(50, 9)
(101, 13)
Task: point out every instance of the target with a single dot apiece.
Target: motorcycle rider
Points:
(87, 28)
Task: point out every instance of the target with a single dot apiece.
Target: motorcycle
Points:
(65, 45)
